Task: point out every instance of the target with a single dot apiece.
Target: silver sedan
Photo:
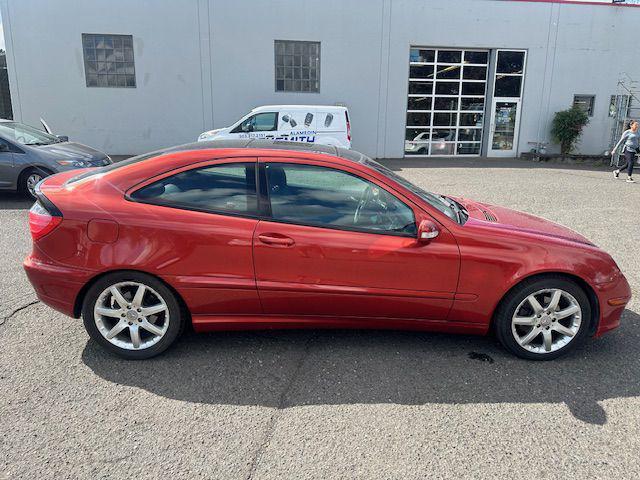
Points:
(27, 155)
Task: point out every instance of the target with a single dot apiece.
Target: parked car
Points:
(27, 155)
(419, 145)
(255, 234)
(321, 124)
(441, 144)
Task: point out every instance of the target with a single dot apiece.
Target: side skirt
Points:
(212, 323)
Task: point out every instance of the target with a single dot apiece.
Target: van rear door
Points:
(333, 127)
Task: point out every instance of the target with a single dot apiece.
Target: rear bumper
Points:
(613, 298)
(55, 285)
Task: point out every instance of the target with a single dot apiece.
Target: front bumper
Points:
(613, 297)
(55, 285)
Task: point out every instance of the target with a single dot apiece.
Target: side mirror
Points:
(427, 231)
(4, 147)
(62, 138)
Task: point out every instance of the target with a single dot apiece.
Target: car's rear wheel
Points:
(543, 318)
(132, 314)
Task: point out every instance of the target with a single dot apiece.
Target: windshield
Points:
(26, 135)
(446, 205)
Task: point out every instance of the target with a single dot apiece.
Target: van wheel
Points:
(544, 318)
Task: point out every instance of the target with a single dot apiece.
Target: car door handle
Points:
(276, 239)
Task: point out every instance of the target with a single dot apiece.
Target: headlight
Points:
(73, 163)
(206, 136)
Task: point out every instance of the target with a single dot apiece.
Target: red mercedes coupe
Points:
(235, 235)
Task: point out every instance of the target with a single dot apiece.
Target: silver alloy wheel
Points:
(32, 180)
(546, 320)
(131, 315)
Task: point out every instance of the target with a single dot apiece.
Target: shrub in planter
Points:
(567, 127)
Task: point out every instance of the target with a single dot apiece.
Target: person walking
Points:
(631, 140)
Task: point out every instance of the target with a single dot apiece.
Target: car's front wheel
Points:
(30, 178)
(543, 318)
(132, 314)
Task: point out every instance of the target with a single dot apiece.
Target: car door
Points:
(259, 125)
(207, 213)
(338, 243)
(7, 167)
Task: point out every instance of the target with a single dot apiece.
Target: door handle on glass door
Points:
(276, 239)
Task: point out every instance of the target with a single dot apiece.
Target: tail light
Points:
(346, 114)
(42, 220)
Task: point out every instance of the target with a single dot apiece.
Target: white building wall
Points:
(201, 64)
(350, 43)
(45, 52)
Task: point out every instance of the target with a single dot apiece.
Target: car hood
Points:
(210, 133)
(73, 150)
(513, 220)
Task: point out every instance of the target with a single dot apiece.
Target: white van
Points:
(323, 124)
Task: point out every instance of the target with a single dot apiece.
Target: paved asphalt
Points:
(332, 404)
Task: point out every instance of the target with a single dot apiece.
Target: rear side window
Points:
(326, 197)
(226, 188)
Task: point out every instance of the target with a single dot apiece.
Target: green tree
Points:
(567, 127)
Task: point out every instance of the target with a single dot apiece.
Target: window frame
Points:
(125, 75)
(592, 104)
(263, 180)
(276, 78)
(260, 202)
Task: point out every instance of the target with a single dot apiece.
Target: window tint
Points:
(260, 122)
(229, 187)
(324, 196)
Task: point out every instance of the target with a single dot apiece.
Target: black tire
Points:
(23, 179)
(506, 310)
(177, 317)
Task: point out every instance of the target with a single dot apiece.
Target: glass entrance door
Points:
(506, 106)
(503, 141)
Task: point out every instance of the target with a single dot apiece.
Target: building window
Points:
(585, 103)
(297, 66)
(6, 111)
(446, 101)
(619, 106)
(108, 60)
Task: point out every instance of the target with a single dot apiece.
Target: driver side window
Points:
(260, 122)
(326, 197)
